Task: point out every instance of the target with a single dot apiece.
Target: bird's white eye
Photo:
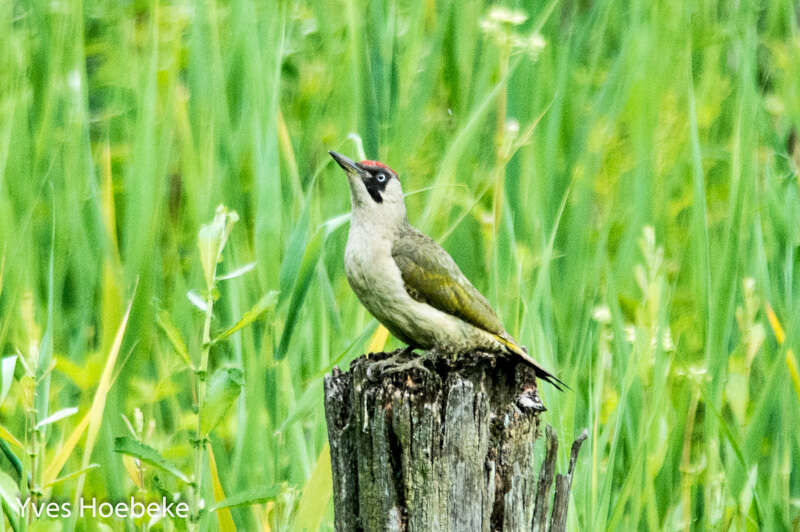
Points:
(381, 177)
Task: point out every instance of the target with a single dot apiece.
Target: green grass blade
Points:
(147, 454)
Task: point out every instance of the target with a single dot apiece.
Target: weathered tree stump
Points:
(445, 448)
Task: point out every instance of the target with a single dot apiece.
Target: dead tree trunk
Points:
(445, 448)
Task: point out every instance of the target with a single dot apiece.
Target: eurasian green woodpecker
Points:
(408, 282)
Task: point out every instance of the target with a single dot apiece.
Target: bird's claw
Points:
(398, 364)
(414, 363)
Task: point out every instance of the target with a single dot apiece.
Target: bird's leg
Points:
(398, 363)
(409, 350)
(379, 367)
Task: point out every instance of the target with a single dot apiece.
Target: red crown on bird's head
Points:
(376, 164)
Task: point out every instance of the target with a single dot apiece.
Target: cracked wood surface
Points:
(452, 447)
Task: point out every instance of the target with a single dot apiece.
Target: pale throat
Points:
(380, 218)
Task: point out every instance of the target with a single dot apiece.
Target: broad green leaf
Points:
(224, 388)
(247, 498)
(174, 336)
(264, 305)
(147, 454)
(6, 375)
(304, 275)
(316, 494)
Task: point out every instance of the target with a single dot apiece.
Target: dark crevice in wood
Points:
(395, 462)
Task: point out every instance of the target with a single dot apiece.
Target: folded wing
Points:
(432, 276)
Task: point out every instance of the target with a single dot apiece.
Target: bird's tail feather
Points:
(541, 372)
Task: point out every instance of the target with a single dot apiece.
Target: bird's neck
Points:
(380, 219)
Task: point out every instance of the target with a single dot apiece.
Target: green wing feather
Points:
(431, 276)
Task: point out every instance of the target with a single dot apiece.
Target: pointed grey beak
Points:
(347, 164)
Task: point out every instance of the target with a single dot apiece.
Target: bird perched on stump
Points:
(409, 282)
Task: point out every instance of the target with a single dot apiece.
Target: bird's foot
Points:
(402, 361)
(416, 362)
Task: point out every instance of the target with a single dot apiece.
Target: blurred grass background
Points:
(618, 177)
